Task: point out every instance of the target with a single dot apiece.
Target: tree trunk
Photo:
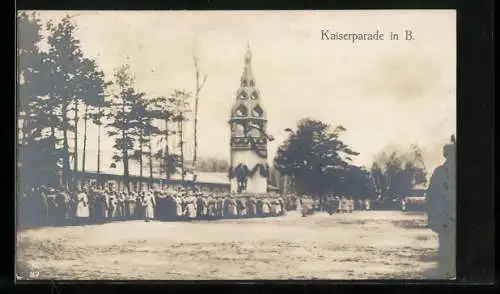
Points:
(75, 162)
(99, 145)
(181, 144)
(140, 159)
(99, 155)
(85, 118)
(52, 128)
(66, 167)
(195, 151)
(150, 162)
(199, 86)
(125, 152)
(24, 130)
(167, 151)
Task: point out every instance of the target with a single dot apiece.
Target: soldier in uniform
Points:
(225, 206)
(282, 205)
(62, 201)
(99, 206)
(199, 206)
(158, 209)
(132, 205)
(441, 210)
(41, 199)
(220, 207)
(212, 207)
(52, 205)
(170, 206)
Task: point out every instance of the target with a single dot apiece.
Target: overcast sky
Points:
(382, 92)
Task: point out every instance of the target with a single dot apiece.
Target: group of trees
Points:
(318, 163)
(60, 88)
(395, 172)
(213, 165)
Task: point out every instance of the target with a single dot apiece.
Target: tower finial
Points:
(248, 55)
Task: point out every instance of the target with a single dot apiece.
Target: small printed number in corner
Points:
(34, 274)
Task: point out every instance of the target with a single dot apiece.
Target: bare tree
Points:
(199, 85)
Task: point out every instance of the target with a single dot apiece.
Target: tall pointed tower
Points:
(249, 170)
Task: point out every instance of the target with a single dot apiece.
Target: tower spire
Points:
(247, 79)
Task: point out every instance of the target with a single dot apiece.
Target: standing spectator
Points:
(441, 210)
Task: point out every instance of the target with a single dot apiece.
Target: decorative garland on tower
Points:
(248, 173)
(261, 153)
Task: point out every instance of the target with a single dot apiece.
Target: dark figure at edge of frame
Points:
(441, 210)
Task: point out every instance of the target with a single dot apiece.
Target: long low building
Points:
(206, 181)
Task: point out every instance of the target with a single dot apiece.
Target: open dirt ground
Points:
(361, 245)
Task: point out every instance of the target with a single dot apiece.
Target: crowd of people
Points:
(337, 204)
(44, 205)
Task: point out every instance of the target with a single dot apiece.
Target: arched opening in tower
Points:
(255, 95)
(257, 111)
(241, 111)
(243, 95)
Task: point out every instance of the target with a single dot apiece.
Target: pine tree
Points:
(124, 121)
(65, 76)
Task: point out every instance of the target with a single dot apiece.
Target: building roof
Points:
(212, 178)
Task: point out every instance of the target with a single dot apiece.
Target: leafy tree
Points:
(315, 157)
(357, 183)
(212, 165)
(395, 172)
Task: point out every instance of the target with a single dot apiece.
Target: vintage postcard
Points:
(236, 145)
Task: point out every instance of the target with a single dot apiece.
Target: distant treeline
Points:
(211, 165)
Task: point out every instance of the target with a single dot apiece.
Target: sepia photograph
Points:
(236, 145)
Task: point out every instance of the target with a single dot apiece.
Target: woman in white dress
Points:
(367, 204)
(178, 202)
(233, 210)
(265, 207)
(149, 203)
(82, 207)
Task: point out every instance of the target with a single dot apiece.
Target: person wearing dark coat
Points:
(62, 201)
(101, 206)
(42, 203)
(225, 206)
(199, 206)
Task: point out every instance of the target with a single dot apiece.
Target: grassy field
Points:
(361, 245)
